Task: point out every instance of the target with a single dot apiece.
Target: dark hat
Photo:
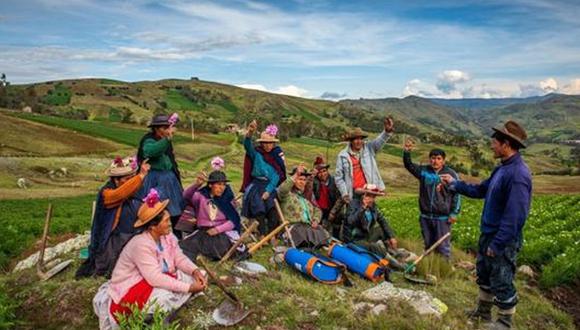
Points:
(514, 132)
(159, 120)
(355, 133)
(217, 176)
(319, 163)
(305, 173)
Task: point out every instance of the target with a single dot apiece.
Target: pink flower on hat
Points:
(118, 161)
(271, 129)
(217, 163)
(152, 198)
(173, 119)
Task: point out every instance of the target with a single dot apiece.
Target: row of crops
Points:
(551, 234)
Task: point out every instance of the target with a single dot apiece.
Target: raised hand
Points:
(252, 127)
(201, 178)
(145, 167)
(409, 145)
(389, 124)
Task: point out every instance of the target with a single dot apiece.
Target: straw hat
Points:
(265, 137)
(122, 167)
(371, 189)
(514, 132)
(355, 133)
(151, 207)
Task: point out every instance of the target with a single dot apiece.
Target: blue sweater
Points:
(507, 194)
(260, 167)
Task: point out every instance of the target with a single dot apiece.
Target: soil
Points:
(566, 298)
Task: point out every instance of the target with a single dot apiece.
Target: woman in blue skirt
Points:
(164, 174)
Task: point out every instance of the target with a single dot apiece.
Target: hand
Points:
(299, 169)
(201, 178)
(389, 124)
(489, 252)
(252, 127)
(451, 220)
(409, 145)
(200, 283)
(346, 199)
(439, 187)
(393, 243)
(212, 232)
(447, 178)
(145, 167)
(265, 195)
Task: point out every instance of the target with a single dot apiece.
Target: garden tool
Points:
(281, 215)
(268, 237)
(239, 242)
(42, 273)
(411, 267)
(231, 311)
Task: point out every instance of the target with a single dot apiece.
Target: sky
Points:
(316, 49)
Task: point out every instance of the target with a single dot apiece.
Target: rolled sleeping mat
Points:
(359, 260)
(316, 267)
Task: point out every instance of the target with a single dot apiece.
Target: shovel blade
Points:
(56, 269)
(229, 313)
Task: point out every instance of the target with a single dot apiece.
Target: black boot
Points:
(481, 312)
(504, 320)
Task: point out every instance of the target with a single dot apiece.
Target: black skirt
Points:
(211, 247)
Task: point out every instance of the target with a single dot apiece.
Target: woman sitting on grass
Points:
(152, 271)
(218, 221)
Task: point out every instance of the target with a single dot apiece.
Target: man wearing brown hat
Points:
(507, 193)
(356, 164)
(326, 194)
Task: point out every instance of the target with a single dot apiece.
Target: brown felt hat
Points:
(371, 189)
(265, 137)
(514, 132)
(146, 213)
(355, 133)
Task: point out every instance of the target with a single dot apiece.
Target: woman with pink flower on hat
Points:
(214, 208)
(264, 171)
(115, 212)
(152, 271)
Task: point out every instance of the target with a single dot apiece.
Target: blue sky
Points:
(316, 49)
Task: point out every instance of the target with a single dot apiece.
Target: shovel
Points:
(42, 273)
(231, 311)
(411, 267)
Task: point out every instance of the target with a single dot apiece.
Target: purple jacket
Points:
(203, 208)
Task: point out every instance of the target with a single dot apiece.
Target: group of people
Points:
(148, 231)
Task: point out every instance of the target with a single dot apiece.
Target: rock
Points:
(527, 271)
(423, 302)
(341, 292)
(22, 183)
(314, 313)
(468, 266)
(431, 278)
(77, 243)
(362, 307)
(379, 309)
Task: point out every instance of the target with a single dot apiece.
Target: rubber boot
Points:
(504, 319)
(481, 312)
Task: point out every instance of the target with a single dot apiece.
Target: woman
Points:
(157, 147)
(261, 177)
(306, 230)
(218, 222)
(152, 271)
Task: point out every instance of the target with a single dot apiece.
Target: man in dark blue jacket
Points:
(438, 205)
(507, 194)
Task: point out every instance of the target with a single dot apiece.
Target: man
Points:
(507, 194)
(438, 205)
(366, 226)
(356, 164)
(115, 213)
(326, 194)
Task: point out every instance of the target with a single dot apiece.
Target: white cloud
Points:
(572, 88)
(290, 90)
(449, 79)
(418, 88)
(549, 85)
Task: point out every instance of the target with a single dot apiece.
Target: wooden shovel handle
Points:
(433, 247)
(266, 238)
(40, 262)
(239, 242)
(281, 215)
(217, 281)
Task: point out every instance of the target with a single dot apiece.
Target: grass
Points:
(60, 95)
(176, 101)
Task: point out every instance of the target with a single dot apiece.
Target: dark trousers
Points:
(174, 221)
(432, 230)
(495, 275)
(267, 221)
(371, 241)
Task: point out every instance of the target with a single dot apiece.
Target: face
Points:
(121, 180)
(268, 146)
(300, 183)
(437, 162)
(356, 144)
(499, 149)
(217, 189)
(161, 131)
(322, 174)
(163, 227)
(369, 199)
